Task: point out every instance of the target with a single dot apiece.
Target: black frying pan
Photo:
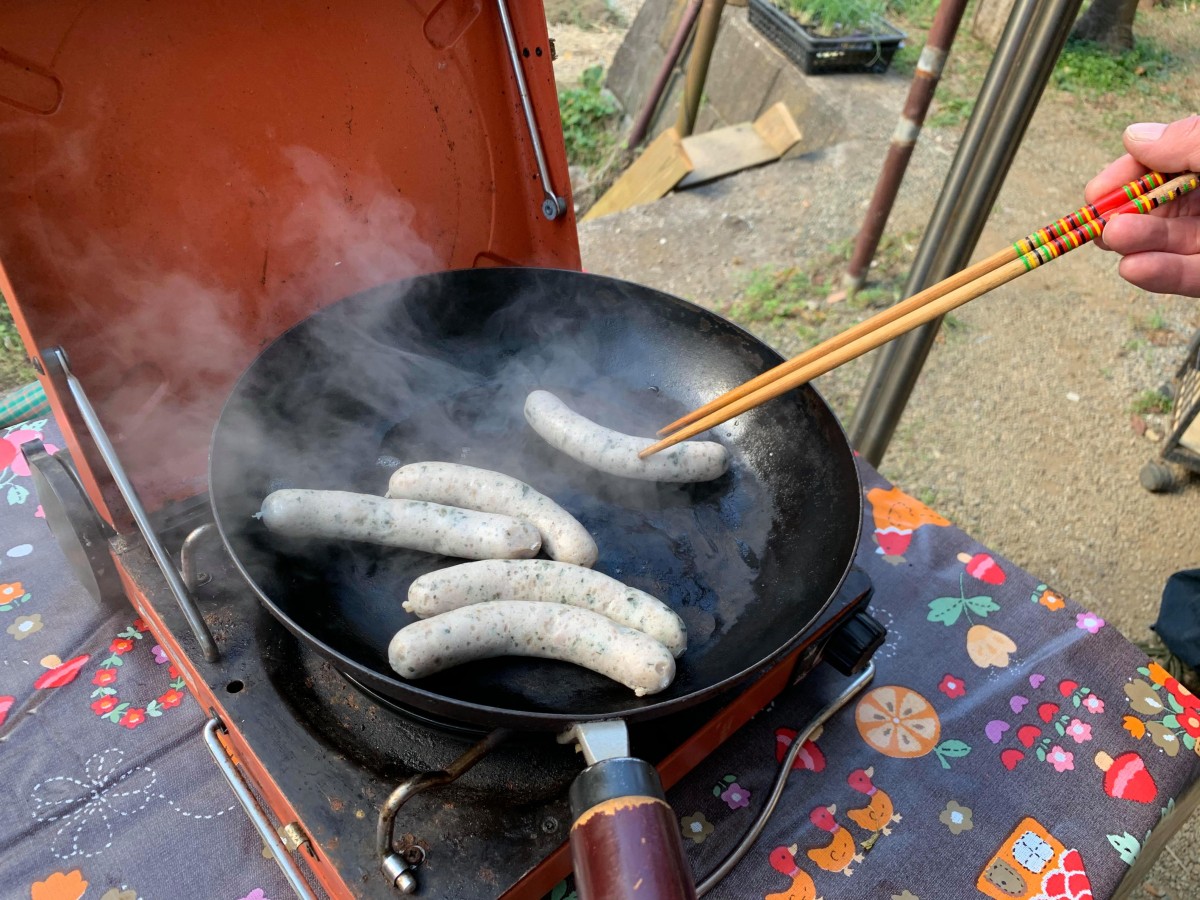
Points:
(438, 368)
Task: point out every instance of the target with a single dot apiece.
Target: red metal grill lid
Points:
(182, 181)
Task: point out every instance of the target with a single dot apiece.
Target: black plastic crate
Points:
(817, 55)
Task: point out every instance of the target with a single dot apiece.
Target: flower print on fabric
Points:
(12, 461)
(59, 885)
(12, 594)
(734, 795)
(986, 646)
(696, 827)
(1052, 600)
(105, 701)
(1079, 731)
(1062, 760)
(24, 626)
(85, 807)
(1172, 711)
(956, 818)
(256, 894)
(952, 687)
(1089, 622)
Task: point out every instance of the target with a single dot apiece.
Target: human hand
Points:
(1161, 250)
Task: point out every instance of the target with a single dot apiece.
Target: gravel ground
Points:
(1020, 428)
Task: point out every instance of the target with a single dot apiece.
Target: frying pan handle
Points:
(625, 842)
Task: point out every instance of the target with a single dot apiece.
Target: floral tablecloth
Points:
(1011, 745)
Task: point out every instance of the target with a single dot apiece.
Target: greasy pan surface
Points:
(438, 368)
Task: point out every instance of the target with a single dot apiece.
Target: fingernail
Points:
(1145, 131)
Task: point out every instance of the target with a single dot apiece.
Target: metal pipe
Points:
(929, 69)
(743, 846)
(697, 71)
(183, 597)
(682, 33)
(1026, 57)
(262, 824)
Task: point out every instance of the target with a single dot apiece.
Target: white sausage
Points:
(616, 453)
(563, 538)
(399, 523)
(543, 581)
(547, 630)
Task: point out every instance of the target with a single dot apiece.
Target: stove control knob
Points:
(852, 646)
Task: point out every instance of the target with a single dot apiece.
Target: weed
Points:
(1156, 321)
(928, 496)
(833, 18)
(589, 114)
(776, 294)
(1150, 402)
(15, 369)
(1093, 70)
(951, 112)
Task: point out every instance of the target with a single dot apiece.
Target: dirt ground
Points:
(1021, 429)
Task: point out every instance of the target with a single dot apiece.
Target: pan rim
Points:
(496, 716)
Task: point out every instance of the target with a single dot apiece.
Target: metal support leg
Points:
(1029, 48)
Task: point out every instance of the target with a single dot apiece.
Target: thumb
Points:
(1166, 148)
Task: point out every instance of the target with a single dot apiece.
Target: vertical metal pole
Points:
(697, 71)
(642, 124)
(1029, 48)
(929, 69)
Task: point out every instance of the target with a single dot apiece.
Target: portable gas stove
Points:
(184, 182)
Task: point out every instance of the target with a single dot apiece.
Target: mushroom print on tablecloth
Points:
(900, 723)
(1126, 777)
(1171, 712)
(1031, 863)
(1129, 847)
(808, 757)
(983, 567)
(897, 516)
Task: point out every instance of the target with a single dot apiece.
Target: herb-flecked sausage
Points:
(413, 524)
(547, 630)
(544, 581)
(563, 537)
(616, 453)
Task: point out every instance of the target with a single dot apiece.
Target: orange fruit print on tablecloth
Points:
(898, 722)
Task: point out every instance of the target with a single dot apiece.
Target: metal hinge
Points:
(293, 838)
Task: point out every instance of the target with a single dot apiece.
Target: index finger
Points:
(1119, 172)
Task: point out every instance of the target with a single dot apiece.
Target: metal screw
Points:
(549, 824)
(414, 855)
(202, 578)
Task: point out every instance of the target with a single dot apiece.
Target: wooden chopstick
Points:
(908, 314)
(1088, 213)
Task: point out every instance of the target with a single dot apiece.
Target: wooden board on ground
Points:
(724, 151)
(650, 176)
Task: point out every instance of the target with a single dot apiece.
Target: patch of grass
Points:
(833, 18)
(1150, 402)
(773, 294)
(951, 112)
(1093, 70)
(15, 370)
(589, 117)
(928, 496)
